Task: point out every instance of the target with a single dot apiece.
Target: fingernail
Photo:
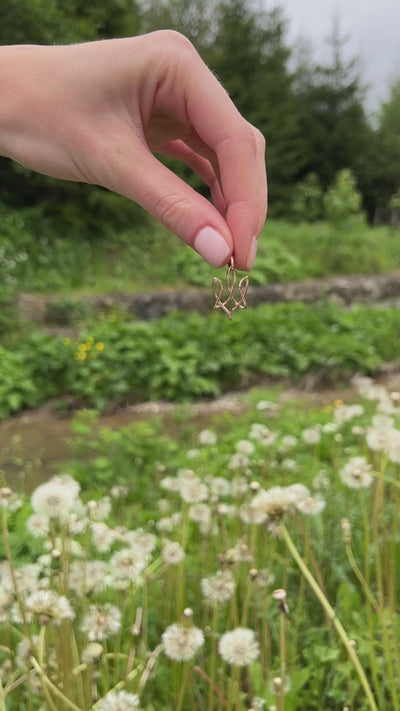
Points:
(252, 252)
(212, 246)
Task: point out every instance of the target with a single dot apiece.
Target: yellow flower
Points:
(80, 355)
(100, 346)
(337, 402)
(66, 341)
(90, 341)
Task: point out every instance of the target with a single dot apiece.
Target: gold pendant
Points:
(236, 296)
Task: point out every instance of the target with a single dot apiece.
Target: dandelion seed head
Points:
(311, 505)
(181, 643)
(49, 607)
(311, 435)
(207, 437)
(218, 588)
(53, 500)
(92, 653)
(118, 701)
(239, 647)
(101, 622)
(356, 473)
(172, 552)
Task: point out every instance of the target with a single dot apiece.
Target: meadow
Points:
(248, 564)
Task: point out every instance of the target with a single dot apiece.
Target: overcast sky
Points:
(373, 27)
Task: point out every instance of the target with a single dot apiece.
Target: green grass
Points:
(148, 258)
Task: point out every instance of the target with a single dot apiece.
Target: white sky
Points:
(373, 29)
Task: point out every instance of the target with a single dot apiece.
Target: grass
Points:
(148, 258)
(221, 530)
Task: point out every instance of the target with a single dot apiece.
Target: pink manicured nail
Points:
(252, 253)
(212, 246)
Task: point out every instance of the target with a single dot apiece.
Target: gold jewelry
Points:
(236, 298)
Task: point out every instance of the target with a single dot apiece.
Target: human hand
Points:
(98, 112)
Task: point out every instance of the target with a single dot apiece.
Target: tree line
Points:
(312, 115)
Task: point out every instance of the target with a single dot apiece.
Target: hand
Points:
(98, 112)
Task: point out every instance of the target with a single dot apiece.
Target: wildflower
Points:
(290, 465)
(238, 461)
(9, 500)
(172, 552)
(101, 622)
(219, 486)
(207, 437)
(103, 536)
(356, 473)
(182, 642)
(119, 491)
(38, 525)
(321, 480)
(141, 541)
(394, 447)
(53, 499)
(193, 490)
(118, 701)
(276, 685)
(343, 413)
(219, 588)
(87, 577)
(99, 346)
(127, 564)
(264, 578)
(169, 483)
(26, 577)
(192, 453)
(238, 647)
(252, 515)
(239, 553)
(98, 510)
(280, 596)
(267, 406)
(274, 502)
(200, 513)
(25, 651)
(92, 653)
(244, 446)
(311, 506)
(287, 442)
(311, 435)
(49, 607)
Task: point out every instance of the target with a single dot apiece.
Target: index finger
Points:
(240, 151)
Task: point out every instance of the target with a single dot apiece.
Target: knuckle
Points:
(171, 210)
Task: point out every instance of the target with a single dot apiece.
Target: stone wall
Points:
(379, 289)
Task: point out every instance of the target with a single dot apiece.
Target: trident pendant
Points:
(236, 297)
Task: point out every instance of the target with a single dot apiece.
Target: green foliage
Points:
(186, 356)
(308, 199)
(343, 201)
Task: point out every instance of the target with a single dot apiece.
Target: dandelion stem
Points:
(2, 697)
(282, 651)
(331, 615)
(46, 681)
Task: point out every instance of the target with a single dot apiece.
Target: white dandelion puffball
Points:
(172, 552)
(311, 435)
(207, 437)
(49, 607)
(118, 701)
(53, 499)
(101, 622)
(218, 588)
(356, 473)
(239, 647)
(311, 505)
(182, 643)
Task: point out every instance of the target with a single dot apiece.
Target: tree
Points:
(387, 173)
(332, 117)
(250, 57)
